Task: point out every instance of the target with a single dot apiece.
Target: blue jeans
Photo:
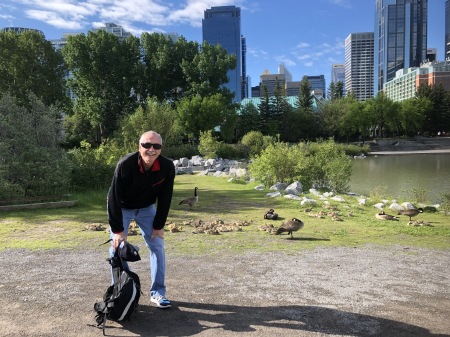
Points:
(144, 219)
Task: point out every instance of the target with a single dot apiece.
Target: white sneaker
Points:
(161, 301)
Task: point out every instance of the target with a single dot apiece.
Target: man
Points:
(140, 180)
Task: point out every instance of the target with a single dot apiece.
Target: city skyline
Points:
(307, 37)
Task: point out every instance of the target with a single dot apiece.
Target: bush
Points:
(179, 151)
(232, 151)
(208, 146)
(31, 160)
(256, 142)
(319, 165)
(91, 168)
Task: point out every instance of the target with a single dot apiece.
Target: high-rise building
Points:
(338, 73)
(432, 54)
(318, 85)
(270, 81)
(406, 81)
(359, 51)
(114, 29)
(19, 30)
(400, 37)
(244, 78)
(222, 25)
(447, 30)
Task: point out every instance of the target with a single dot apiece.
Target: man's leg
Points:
(144, 219)
(127, 217)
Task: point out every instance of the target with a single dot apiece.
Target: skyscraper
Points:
(338, 73)
(359, 65)
(400, 37)
(447, 30)
(222, 25)
(244, 78)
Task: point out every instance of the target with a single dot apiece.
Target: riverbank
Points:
(418, 145)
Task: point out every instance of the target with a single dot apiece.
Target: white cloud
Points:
(342, 3)
(57, 20)
(308, 64)
(286, 61)
(302, 45)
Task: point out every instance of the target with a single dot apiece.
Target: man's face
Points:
(147, 149)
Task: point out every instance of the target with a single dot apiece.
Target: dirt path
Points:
(367, 291)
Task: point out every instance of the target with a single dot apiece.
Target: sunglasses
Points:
(149, 145)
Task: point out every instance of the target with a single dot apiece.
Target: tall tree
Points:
(248, 119)
(438, 116)
(207, 72)
(105, 81)
(269, 125)
(305, 97)
(32, 163)
(28, 63)
(163, 57)
(307, 126)
(413, 113)
(384, 112)
(199, 114)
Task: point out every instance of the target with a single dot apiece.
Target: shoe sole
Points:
(159, 305)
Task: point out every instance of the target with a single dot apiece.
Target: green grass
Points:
(220, 199)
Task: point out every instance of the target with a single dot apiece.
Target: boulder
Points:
(295, 188)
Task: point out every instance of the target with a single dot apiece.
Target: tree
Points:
(207, 72)
(269, 125)
(163, 58)
(29, 64)
(438, 116)
(384, 112)
(199, 113)
(305, 98)
(105, 81)
(307, 120)
(248, 119)
(336, 90)
(161, 117)
(413, 113)
(31, 160)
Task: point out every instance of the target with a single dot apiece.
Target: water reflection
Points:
(399, 174)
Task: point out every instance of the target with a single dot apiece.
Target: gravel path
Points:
(364, 291)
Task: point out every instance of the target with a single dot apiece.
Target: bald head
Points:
(146, 136)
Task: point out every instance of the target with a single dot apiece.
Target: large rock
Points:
(295, 188)
(278, 186)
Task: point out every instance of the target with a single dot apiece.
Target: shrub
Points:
(31, 160)
(208, 145)
(319, 165)
(91, 168)
(231, 151)
(256, 142)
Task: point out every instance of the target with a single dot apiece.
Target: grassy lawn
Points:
(230, 202)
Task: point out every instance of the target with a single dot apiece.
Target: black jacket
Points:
(133, 187)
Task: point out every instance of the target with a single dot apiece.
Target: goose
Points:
(271, 215)
(410, 212)
(384, 216)
(190, 201)
(290, 226)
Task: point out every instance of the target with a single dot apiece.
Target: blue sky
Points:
(307, 36)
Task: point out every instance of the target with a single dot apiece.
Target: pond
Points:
(398, 175)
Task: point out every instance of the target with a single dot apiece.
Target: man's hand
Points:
(118, 238)
(157, 233)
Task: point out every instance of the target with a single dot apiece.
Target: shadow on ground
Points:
(188, 319)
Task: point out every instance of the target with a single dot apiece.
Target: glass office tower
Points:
(400, 37)
(222, 25)
(447, 30)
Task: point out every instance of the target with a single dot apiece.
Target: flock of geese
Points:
(412, 212)
(288, 226)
